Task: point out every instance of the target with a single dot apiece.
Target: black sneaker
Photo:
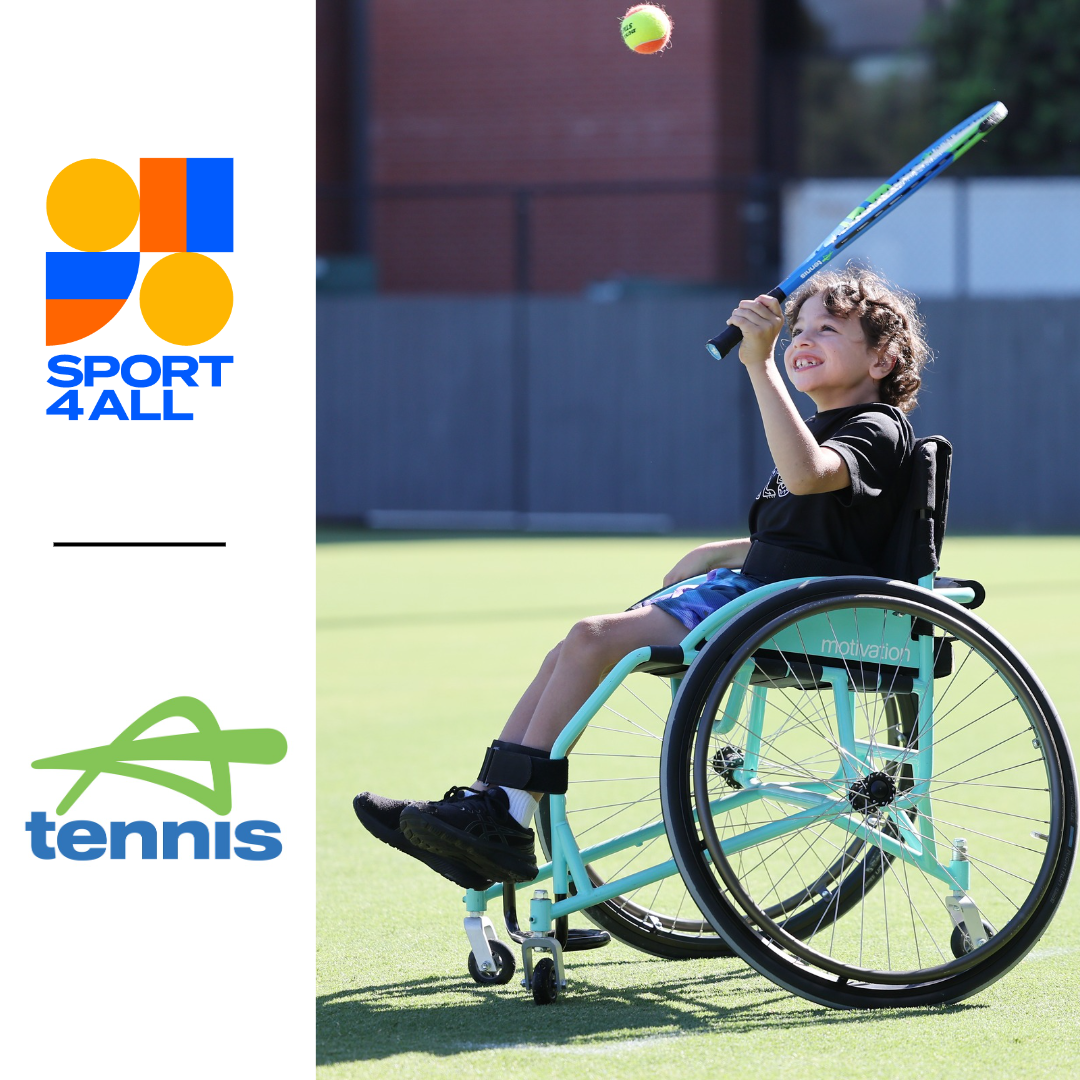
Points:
(478, 830)
(381, 817)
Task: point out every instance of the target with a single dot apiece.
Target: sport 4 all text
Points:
(137, 373)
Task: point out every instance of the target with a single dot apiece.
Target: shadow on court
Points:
(447, 1015)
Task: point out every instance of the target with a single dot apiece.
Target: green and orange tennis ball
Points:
(646, 28)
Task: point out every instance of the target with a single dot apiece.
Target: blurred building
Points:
(863, 28)
(488, 147)
(485, 146)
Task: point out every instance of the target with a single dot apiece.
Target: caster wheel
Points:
(960, 943)
(545, 982)
(505, 966)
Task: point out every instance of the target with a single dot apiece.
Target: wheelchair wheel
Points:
(615, 788)
(970, 802)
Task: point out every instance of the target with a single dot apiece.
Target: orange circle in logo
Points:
(186, 298)
(92, 205)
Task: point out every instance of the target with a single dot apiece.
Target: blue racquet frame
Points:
(888, 197)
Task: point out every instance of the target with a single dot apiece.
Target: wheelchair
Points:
(852, 783)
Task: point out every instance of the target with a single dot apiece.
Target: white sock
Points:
(522, 806)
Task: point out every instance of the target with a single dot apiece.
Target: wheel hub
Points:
(871, 792)
(725, 761)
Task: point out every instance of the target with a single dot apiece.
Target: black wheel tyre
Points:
(505, 966)
(1001, 772)
(960, 943)
(545, 982)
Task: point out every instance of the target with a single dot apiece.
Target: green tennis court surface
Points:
(423, 646)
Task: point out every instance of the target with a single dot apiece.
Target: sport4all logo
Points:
(83, 840)
(183, 208)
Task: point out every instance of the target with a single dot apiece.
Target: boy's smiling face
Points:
(830, 361)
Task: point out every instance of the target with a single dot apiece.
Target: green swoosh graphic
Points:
(258, 746)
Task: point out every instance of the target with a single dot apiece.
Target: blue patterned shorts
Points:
(690, 604)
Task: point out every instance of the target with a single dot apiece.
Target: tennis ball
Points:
(646, 28)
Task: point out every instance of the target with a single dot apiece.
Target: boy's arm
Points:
(719, 554)
(806, 468)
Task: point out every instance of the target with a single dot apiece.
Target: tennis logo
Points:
(84, 840)
(183, 208)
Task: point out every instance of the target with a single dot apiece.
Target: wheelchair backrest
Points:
(914, 549)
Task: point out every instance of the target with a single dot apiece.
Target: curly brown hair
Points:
(889, 319)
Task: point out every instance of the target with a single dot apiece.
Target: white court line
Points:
(1051, 953)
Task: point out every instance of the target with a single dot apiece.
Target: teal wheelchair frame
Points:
(852, 783)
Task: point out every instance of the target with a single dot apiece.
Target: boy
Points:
(829, 508)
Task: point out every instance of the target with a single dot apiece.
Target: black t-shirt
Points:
(853, 524)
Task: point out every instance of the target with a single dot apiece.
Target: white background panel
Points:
(987, 237)
(1025, 237)
(161, 968)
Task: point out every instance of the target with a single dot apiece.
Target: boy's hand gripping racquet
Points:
(889, 196)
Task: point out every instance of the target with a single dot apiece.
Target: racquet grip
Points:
(723, 343)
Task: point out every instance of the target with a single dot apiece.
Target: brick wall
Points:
(542, 95)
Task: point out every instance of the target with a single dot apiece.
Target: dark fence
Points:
(515, 408)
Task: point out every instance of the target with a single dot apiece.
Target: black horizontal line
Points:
(138, 543)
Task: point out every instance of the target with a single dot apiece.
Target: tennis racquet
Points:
(888, 197)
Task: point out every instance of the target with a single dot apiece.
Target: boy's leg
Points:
(591, 649)
(518, 721)
(480, 830)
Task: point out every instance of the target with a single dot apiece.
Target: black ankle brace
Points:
(508, 764)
